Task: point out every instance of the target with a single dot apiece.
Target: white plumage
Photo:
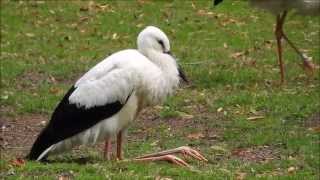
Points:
(125, 73)
(118, 75)
(126, 81)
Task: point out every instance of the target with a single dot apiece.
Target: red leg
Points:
(119, 145)
(107, 149)
(306, 62)
(279, 35)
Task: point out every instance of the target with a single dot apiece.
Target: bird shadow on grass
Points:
(76, 160)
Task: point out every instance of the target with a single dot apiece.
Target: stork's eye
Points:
(161, 43)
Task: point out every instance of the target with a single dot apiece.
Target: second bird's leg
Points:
(306, 62)
(167, 155)
(119, 145)
(279, 35)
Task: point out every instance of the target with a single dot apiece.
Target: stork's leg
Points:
(306, 62)
(107, 149)
(280, 21)
(167, 156)
(279, 35)
(119, 145)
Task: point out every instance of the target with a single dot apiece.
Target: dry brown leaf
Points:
(193, 5)
(225, 45)
(240, 175)
(55, 90)
(163, 178)
(252, 118)
(64, 177)
(115, 36)
(315, 129)
(219, 109)
(18, 162)
(195, 136)
(142, 2)
(291, 169)
(237, 55)
(185, 115)
(202, 12)
(30, 35)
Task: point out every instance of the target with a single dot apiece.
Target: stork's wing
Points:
(84, 105)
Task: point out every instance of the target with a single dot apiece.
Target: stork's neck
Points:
(165, 83)
(164, 61)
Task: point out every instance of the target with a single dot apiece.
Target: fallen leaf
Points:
(225, 113)
(163, 178)
(202, 12)
(219, 109)
(155, 143)
(84, 18)
(63, 177)
(225, 45)
(18, 162)
(252, 118)
(55, 90)
(315, 129)
(43, 123)
(30, 35)
(185, 115)
(193, 6)
(291, 169)
(240, 175)
(218, 148)
(4, 97)
(236, 54)
(115, 36)
(195, 136)
(139, 25)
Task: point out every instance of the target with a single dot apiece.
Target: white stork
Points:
(105, 100)
(280, 8)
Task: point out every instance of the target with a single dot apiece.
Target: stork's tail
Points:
(41, 146)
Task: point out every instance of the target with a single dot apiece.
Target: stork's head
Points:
(154, 44)
(152, 38)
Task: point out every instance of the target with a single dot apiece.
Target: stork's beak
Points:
(182, 75)
(168, 52)
(216, 2)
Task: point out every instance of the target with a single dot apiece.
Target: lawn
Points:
(234, 111)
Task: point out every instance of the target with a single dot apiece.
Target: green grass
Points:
(46, 46)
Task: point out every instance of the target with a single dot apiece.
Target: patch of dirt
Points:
(313, 121)
(18, 134)
(149, 119)
(31, 80)
(257, 154)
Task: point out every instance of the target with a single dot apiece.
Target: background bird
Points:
(280, 8)
(106, 99)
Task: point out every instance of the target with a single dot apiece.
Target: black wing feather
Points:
(69, 120)
(216, 2)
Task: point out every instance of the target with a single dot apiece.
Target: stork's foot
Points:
(308, 65)
(167, 156)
